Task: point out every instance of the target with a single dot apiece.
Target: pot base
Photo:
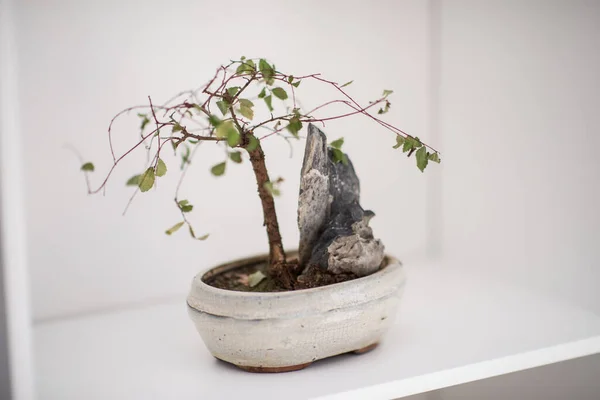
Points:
(290, 368)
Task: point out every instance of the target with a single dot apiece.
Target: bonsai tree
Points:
(245, 102)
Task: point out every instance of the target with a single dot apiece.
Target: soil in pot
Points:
(255, 278)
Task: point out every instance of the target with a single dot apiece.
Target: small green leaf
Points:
(399, 141)
(271, 188)
(346, 84)
(233, 138)
(255, 278)
(339, 156)
(280, 93)
(236, 156)
(223, 106)
(186, 208)
(269, 101)
(203, 237)
(290, 79)
(161, 168)
(246, 103)
(198, 108)
(227, 130)
(294, 126)
(296, 84)
(252, 143)
(435, 157)
(266, 69)
(174, 228)
(385, 109)
(147, 180)
(177, 128)
(246, 66)
(262, 93)
(337, 144)
(411, 143)
(145, 120)
(246, 108)
(134, 180)
(214, 120)
(247, 112)
(183, 202)
(386, 92)
(233, 90)
(422, 160)
(88, 166)
(218, 169)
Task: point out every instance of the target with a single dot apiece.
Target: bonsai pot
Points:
(287, 331)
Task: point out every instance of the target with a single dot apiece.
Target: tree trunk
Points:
(276, 254)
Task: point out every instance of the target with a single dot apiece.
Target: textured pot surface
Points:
(275, 330)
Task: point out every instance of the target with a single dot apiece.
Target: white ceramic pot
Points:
(285, 331)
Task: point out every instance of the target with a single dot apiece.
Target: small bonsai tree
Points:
(225, 111)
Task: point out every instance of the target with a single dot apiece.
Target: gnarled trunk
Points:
(276, 254)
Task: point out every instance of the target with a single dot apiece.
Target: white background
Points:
(508, 90)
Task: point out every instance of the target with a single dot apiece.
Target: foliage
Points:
(244, 98)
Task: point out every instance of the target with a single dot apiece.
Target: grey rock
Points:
(334, 228)
(314, 199)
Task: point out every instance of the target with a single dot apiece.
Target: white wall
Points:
(519, 116)
(81, 62)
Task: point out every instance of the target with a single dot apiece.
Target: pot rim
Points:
(204, 298)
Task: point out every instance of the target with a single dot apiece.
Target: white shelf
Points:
(452, 329)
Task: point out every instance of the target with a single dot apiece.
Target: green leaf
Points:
(147, 180)
(262, 93)
(183, 202)
(269, 101)
(227, 130)
(88, 166)
(223, 106)
(435, 157)
(214, 120)
(177, 128)
(422, 160)
(280, 93)
(266, 69)
(385, 109)
(399, 141)
(161, 168)
(337, 144)
(134, 180)
(235, 156)
(255, 278)
(233, 90)
(203, 237)
(411, 143)
(246, 66)
(174, 228)
(296, 84)
(198, 108)
(246, 108)
(294, 126)
(346, 84)
(247, 112)
(290, 79)
(339, 156)
(386, 92)
(218, 169)
(252, 143)
(246, 103)
(145, 120)
(186, 208)
(271, 188)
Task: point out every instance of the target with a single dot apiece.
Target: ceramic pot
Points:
(286, 331)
